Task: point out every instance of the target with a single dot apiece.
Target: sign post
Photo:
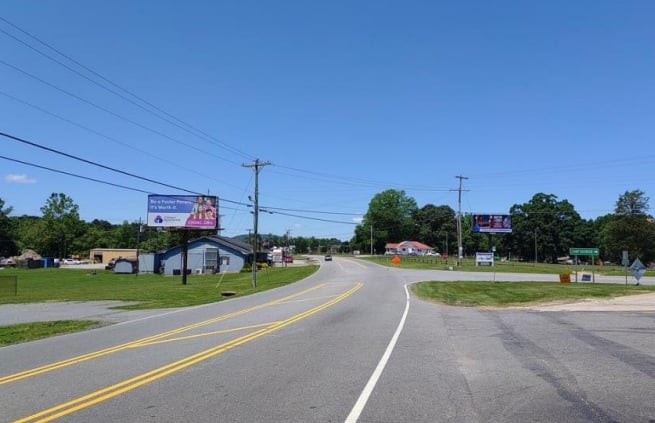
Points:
(625, 262)
(593, 252)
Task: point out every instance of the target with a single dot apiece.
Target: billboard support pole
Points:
(185, 254)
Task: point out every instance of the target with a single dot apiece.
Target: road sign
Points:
(583, 251)
(638, 269)
(637, 265)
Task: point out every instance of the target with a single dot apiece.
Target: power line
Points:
(63, 172)
(116, 115)
(100, 134)
(169, 117)
(61, 153)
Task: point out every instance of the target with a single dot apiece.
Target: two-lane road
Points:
(346, 344)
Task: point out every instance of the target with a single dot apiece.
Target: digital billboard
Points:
(183, 211)
(492, 223)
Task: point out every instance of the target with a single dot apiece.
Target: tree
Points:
(61, 225)
(631, 228)
(8, 245)
(632, 203)
(389, 219)
(547, 224)
(435, 226)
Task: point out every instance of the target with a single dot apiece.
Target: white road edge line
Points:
(368, 389)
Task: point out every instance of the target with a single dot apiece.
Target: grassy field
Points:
(30, 331)
(505, 294)
(468, 264)
(145, 290)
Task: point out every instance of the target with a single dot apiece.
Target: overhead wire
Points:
(169, 118)
(130, 174)
(111, 112)
(110, 138)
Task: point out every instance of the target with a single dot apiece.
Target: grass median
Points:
(144, 291)
(506, 294)
(468, 265)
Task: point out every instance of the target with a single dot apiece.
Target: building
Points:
(407, 248)
(208, 254)
(105, 255)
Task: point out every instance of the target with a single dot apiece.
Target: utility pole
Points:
(536, 229)
(256, 165)
(460, 249)
(371, 239)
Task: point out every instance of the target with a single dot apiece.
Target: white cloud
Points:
(19, 179)
(358, 220)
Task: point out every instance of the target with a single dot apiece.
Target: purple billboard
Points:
(183, 211)
(491, 223)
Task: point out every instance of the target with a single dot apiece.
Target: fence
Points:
(8, 286)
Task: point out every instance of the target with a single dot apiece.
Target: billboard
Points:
(183, 211)
(492, 223)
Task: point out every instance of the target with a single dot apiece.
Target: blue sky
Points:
(345, 98)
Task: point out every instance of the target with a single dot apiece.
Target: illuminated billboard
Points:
(183, 211)
(492, 223)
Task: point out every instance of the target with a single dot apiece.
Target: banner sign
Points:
(183, 211)
(492, 223)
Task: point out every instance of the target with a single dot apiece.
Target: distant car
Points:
(288, 259)
(8, 262)
(328, 257)
(432, 253)
(69, 261)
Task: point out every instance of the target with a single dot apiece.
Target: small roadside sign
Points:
(584, 251)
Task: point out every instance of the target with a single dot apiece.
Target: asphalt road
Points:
(347, 344)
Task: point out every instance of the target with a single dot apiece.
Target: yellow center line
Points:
(200, 335)
(100, 353)
(150, 376)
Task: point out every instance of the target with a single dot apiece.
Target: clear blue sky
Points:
(345, 98)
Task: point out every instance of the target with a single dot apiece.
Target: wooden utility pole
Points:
(460, 249)
(256, 165)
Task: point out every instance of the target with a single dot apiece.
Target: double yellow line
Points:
(150, 376)
(139, 342)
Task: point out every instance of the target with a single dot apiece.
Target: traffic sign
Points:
(637, 265)
(638, 269)
(584, 251)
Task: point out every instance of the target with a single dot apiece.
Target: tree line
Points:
(543, 229)
(60, 232)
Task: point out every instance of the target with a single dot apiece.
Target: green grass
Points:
(468, 265)
(518, 293)
(30, 331)
(146, 290)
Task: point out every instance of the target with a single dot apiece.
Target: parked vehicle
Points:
(328, 257)
(288, 259)
(7, 262)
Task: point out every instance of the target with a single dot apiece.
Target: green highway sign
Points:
(583, 251)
